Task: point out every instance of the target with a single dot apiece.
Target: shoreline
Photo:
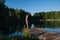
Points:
(44, 35)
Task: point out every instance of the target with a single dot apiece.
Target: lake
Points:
(55, 30)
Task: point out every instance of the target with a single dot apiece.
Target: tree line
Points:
(45, 16)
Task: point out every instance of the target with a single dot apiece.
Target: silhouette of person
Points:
(27, 21)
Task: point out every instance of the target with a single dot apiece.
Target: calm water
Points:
(16, 34)
(55, 30)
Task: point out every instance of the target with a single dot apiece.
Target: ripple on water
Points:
(55, 30)
(16, 34)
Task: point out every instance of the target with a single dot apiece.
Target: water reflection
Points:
(16, 34)
(55, 30)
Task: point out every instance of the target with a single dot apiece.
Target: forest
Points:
(51, 19)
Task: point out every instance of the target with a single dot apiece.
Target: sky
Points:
(33, 6)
